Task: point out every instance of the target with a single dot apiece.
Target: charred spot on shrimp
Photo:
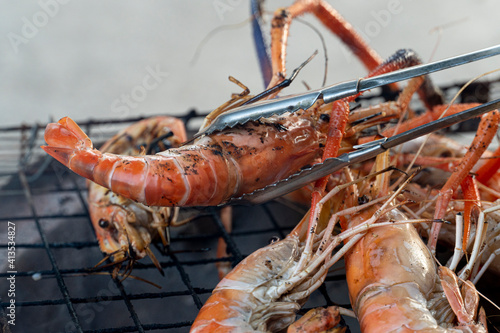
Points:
(232, 149)
(217, 152)
(190, 170)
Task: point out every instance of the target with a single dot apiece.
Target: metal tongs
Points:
(362, 153)
(329, 94)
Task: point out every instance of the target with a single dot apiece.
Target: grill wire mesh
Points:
(59, 290)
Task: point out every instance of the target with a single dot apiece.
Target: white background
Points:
(86, 54)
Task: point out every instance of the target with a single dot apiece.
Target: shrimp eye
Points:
(363, 199)
(103, 223)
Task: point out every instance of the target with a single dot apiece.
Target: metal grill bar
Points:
(117, 282)
(57, 273)
(186, 280)
(130, 307)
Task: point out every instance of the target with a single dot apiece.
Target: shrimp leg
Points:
(394, 284)
(337, 126)
(331, 19)
(485, 134)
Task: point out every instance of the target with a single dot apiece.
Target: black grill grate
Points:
(58, 290)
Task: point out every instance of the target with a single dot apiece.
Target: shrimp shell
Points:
(208, 172)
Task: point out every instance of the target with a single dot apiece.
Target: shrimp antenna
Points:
(323, 43)
(283, 84)
(154, 260)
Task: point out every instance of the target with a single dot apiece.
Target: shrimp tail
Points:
(165, 179)
(464, 303)
(68, 144)
(124, 175)
(66, 133)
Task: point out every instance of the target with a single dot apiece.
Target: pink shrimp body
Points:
(239, 302)
(394, 285)
(264, 291)
(208, 172)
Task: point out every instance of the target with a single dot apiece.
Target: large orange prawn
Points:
(432, 156)
(394, 283)
(217, 166)
(208, 172)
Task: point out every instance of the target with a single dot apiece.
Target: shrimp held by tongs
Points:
(228, 160)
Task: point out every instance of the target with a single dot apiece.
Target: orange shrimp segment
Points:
(488, 169)
(328, 16)
(485, 134)
(472, 200)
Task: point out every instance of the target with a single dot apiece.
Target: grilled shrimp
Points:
(207, 172)
(395, 286)
(264, 291)
(124, 228)
(446, 154)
